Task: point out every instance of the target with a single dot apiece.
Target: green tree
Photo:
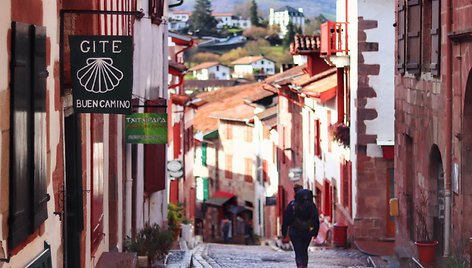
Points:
(292, 30)
(203, 23)
(253, 14)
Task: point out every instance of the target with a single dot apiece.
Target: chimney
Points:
(300, 9)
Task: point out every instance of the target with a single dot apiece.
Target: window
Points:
(217, 67)
(248, 170)
(229, 166)
(229, 131)
(28, 195)
(418, 37)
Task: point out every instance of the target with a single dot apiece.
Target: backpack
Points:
(304, 211)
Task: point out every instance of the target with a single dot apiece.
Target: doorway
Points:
(436, 184)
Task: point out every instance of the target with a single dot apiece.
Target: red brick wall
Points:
(371, 197)
(420, 114)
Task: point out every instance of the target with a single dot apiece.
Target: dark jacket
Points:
(289, 216)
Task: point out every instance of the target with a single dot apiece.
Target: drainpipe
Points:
(129, 191)
(448, 79)
(181, 79)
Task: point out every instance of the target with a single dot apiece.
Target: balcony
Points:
(334, 38)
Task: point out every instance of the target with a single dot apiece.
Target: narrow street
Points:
(221, 255)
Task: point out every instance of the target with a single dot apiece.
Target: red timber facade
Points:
(365, 109)
(433, 96)
(79, 163)
(181, 141)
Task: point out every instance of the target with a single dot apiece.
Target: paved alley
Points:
(221, 255)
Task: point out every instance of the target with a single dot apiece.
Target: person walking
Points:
(225, 228)
(300, 224)
(248, 233)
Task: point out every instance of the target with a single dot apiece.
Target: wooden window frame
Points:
(401, 44)
(435, 37)
(413, 39)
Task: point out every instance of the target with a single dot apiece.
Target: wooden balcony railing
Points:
(334, 38)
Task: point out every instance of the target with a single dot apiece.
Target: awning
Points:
(235, 210)
(219, 198)
(322, 90)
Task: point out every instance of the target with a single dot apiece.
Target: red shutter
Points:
(177, 140)
(265, 171)
(326, 198)
(401, 37)
(280, 202)
(174, 191)
(317, 141)
(330, 138)
(155, 155)
(435, 36)
(413, 38)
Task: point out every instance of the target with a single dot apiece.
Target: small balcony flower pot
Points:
(426, 250)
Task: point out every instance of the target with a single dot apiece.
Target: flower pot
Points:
(426, 250)
(142, 261)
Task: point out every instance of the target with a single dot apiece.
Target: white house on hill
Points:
(211, 70)
(253, 65)
(230, 20)
(284, 15)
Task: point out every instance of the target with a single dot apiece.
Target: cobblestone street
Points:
(220, 255)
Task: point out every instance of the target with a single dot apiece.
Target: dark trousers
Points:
(300, 241)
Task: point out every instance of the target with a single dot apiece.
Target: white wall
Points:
(269, 66)
(242, 70)
(150, 82)
(222, 72)
(383, 84)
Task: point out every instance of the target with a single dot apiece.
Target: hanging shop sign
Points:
(102, 73)
(147, 128)
(175, 168)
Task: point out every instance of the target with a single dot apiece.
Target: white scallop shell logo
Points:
(99, 75)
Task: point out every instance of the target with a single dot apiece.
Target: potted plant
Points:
(174, 218)
(425, 245)
(340, 133)
(152, 243)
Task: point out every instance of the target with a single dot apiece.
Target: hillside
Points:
(311, 8)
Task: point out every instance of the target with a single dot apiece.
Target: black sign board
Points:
(102, 73)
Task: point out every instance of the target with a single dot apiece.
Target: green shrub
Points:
(151, 241)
